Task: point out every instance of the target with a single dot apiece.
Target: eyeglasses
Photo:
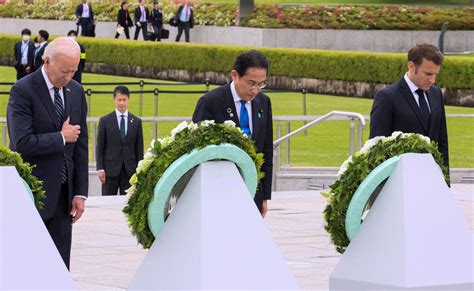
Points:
(252, 85)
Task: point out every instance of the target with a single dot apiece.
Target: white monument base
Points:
(215, 238)
(29, 259)
(413, 238)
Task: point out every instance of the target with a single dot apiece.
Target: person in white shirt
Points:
(142, 17)
(24, 54)
(85, 18)
(185, 17)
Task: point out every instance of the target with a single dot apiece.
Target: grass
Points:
(315, 2)
(326, 144)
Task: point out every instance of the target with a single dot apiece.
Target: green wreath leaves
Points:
(10, 158)
(356, 168)
(163, 152)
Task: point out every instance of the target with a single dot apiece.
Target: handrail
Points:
(349, 115)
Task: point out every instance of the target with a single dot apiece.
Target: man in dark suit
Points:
(156, 19)
(85, 18)
(46, 117)
(42, 37)
(82, 63)
(243, 102)
(119, 145)
(185, 17)
(24, 54)
(414, 104)
(142, 17)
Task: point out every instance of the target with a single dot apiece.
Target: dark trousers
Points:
(157, 31)
(86, 26)
(112, 184)
(59, 226)
(126, 31)
(186, 26)
(144, 31)
(20, 72)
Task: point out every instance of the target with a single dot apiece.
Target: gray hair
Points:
(62, 46)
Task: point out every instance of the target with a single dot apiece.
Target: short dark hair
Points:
(44, 34)
(123, 3)
(425, 51)
(122, 90)
(72, 32)
(26, 31)
(250, 59)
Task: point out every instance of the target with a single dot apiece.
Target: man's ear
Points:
(234, 74)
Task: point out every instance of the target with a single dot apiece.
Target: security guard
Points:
(82, 63)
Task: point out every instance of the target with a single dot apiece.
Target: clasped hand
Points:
(70, 132)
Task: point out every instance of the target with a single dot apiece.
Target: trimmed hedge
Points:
(456, 72)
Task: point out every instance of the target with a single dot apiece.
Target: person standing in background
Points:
(185, 18)
(142, 17)
(24, 52)
(124, 20)
(85, 18)
(119, 145)
(157, 20)
(82, 63)
(42, 37)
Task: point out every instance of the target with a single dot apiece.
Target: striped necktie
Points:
(59, 108)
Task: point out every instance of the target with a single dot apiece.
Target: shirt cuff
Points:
(80, 196)
(64, 140)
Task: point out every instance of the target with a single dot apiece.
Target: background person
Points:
(185, 17)
(124, 20)
(243, 102)
(156, 18)
(82, 63)
(119, 145)
(85, 18)
(141, 16)
(24, 52)
(46, 116)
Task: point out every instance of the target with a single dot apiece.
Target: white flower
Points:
(148, 155)
(424, 138)
(130, 191)
(166, 141)
(192, 126)
(206, 123)
(396, 133)
(370, 143)
(179, 128)
(229, 123)
(344, 166)
(143, 165)
(152, 143)
(133, 179)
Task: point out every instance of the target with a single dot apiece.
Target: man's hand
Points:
(101, 176)
(70, 132)
(264, 208)
(77, 208)
(28, 69)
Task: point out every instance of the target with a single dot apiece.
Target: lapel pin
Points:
(260, 112)
(231, 115)
(131, 120)
(229, 110)
(67, 89)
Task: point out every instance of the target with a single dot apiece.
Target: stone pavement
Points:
(105, 255)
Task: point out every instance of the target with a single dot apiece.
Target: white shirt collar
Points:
(48, 82)
(234, 93)
(411, 85)
(118, 113)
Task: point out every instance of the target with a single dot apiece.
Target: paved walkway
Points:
(105, 255)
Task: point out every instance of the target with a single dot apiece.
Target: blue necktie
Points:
(59, 108)
(244, 118)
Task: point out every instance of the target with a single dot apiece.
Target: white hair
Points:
(62, 46)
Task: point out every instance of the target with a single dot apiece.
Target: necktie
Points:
(122, 127)
(424, 110)
(244, 118)
(59, 109)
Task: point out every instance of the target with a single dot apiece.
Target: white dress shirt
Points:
(119, 118)
(24, 53)
(85, 10)
(143, 16)
(413, 89)
(237, 103)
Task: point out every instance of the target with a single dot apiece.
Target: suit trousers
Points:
(126, 31)
(21, 72)
(144, 31)
(112, 184)
(59, 226)
(86, 26)
(186, 26)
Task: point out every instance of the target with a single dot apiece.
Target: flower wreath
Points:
(35, 186)
(185, 138)
(356, 168)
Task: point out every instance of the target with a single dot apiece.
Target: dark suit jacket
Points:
(112, 152)
(80, 8)
(156, 17)
(18, 54)
(35, 134)
(138, 14)
(215, 106)
(395, 109)
(124, 19)
(191, 16)
(38, 57)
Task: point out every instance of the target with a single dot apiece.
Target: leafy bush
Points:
(273, 16)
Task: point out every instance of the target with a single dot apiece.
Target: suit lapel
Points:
(412, 102)
(115, 126)
(433, 103)
(45, 97)
(130, 125)
(257, 113)
(229, 105)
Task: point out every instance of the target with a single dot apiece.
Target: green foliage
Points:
(10, 158)
(384, 68)
(359, 167)
(163, 154)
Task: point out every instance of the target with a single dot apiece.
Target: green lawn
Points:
(325, 145)
(313, 2)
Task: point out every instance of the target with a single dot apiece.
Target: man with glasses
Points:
(243, 102)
